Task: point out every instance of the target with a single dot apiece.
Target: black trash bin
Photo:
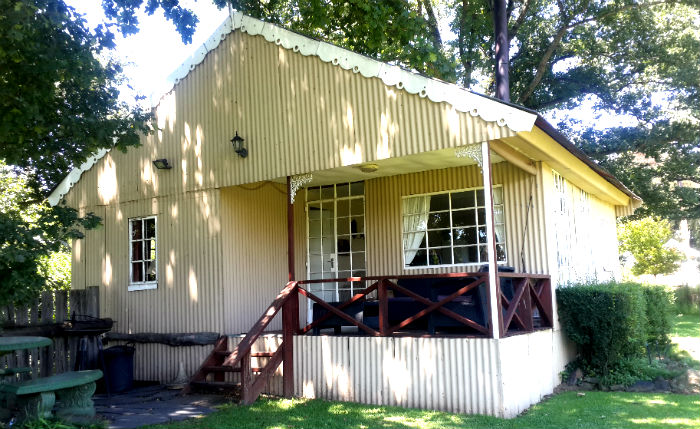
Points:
(119, 367)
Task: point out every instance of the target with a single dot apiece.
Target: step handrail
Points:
(243, 348)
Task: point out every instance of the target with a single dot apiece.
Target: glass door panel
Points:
(336, 240)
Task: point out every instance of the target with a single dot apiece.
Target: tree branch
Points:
(432, 23)
(519, 21)
(542, 66)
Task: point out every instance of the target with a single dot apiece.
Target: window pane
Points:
(415, 258)
(483, 254)
(343, 262)
(358, 261)
(357, 188)
(313, 194)
(150, 228)
(150, 246)
(314, 228)
(500, 233)
(343, 208)
(315, 245)
(481, 213)
(314, 211)
(498, 214)
(342, 190)
(136, 251)
(150, 271)
(343, 225)
(357, 244)
(137, 272)
(357, 206)
(315, 263)
(439, 202)
(466, 255)
(357, 225)
(482, 234)
(464, 217)
(343, 243)
(327, 192)
(463, 200)
(480, 197)
(464, 236)
(439, 238)
(442, 256)
(136, 229)
(439, 220)
(498, 195)
(500, 252)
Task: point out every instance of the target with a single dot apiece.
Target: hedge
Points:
(612, 322)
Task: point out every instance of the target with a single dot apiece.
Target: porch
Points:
(460, 363)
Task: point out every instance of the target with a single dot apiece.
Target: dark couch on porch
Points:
(472, 305)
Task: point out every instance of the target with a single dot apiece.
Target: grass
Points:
(567, 410)
(686, 325)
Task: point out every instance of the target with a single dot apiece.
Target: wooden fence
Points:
(46, 317)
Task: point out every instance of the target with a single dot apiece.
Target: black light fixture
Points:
(162, 164)
(238, 146)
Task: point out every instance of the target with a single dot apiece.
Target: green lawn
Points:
(567, 410)
(594, 410)
(686, 325)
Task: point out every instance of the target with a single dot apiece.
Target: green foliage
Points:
(659, 305)
(33, 251)
(645, 239)
(56, 423)
(607, 322)
(687, 299)
(58, 105)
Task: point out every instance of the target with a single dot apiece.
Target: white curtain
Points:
(415, 224)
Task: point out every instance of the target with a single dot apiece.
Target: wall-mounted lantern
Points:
(162, 164)
(239, 145)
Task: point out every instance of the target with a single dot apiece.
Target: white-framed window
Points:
(143, 253)
(449, 228)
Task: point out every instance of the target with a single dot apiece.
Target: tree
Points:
(58, 104)
(31, 235)
(624, 55)
(645, 239)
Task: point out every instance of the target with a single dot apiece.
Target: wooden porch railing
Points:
(528, 308)
(530, 292)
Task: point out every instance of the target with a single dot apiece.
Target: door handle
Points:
(331, 261)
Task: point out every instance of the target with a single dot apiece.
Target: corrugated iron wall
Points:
(254, 220)
(296, 113)
(190, 285)
(383, 215)
(452, 374)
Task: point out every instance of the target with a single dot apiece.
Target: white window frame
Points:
(504, 241)
(144, 285)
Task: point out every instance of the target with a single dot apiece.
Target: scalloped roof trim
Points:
(488, 109)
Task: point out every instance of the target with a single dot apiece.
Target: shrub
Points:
(607, 322)
(658, 310)
(687, 299)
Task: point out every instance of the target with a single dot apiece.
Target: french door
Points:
(336, 239)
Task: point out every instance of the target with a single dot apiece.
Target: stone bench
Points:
(36, 398)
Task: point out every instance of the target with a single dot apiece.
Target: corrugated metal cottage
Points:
(423, 228)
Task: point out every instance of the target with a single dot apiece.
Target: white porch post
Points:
(494, 300)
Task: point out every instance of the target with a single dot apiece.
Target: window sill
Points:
(471, 264)
(143, 286)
